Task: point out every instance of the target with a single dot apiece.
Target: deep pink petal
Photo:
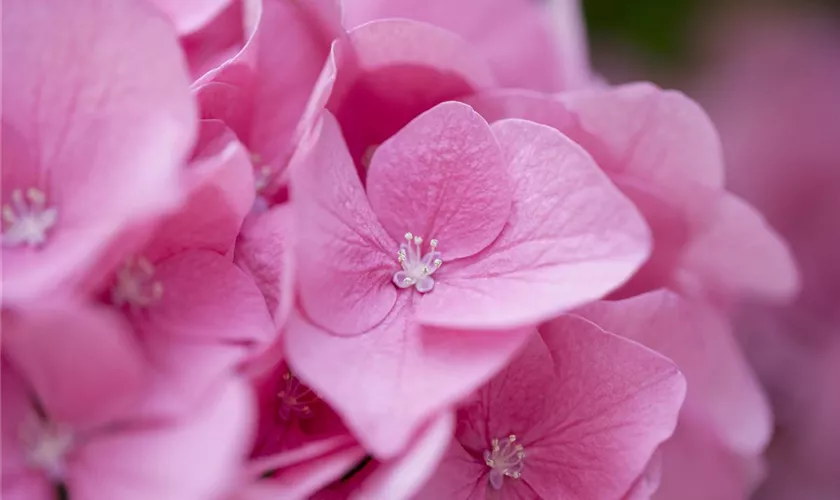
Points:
(722, 388)
(264, 252)
(442, 176)
(460, 476)
(207, 297)
(513, 35)
(387, 381)
(32, 486)
(194, 458)
(52, 348)
(17, 410)
(389, 71)
(190, 15)
(301, 481)
(220, 185)
(572, 237)
(105, 145)
(345, 259)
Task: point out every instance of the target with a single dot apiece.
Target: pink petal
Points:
(386, 382)
(613, 391)
(722, 388)
(403, 476)
(52, 348)
(443, 176)
(189, 15)
(264, 252)
(104, 145)
(735, 252)
(572, 237)
(647, 484)
(513, 35)
(220, 194)
(32, 486)
(206, 297)
(390, 71)
(17, 409)
(345, 260)
(303, 480)
(195, 458)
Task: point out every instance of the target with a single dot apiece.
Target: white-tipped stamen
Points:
(417, 268)
(27, 219)
(505, 459)
(136, 286)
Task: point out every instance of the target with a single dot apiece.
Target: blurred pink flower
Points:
(92, 426)
(549, 424)
(90, 144)
(773, 92)
(519, 226)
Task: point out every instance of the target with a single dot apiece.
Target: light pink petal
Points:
(389, 71)
(264, 252)
(643, 132)
(190, 15)
(195, 458)
(262, 92)
(309, 451)
(220, 181)
(32, 486)
(104, 144)
(648, 482)
(386, 382)
(53, 346)
(405, 475)
(572, 237)
(513, 35)
(301, 481)
(443, 176)
(207, 297)
(345, 259)
(722, 388)
(735, 252)
(616, 403)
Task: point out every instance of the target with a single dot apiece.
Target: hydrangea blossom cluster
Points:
(371, 249)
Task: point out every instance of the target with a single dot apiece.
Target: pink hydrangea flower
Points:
(726, 421)
(663, 152)
(462, 229)
(577, 414)
(98, 151)
(93, 426)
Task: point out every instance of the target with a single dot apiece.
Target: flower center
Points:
(505, 458)
(417, 268)
(295, 398)
(27, 219)
(135, 285)
(46, 445)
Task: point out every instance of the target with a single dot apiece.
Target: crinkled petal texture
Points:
(385, 73)
(194, 458)
(102, 144)
(723, 391)
(588, 407)
(262, 91)
(572, 237)
(52, 347)
(513, 35)
(662, 151)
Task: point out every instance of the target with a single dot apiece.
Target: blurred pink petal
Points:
(514, 36)
(189, 15)
(101, 150)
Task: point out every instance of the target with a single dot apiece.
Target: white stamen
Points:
(505, 458)
(295, 398)
(27, 219)
(46, 445)
(417, 268)
(135, 285)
